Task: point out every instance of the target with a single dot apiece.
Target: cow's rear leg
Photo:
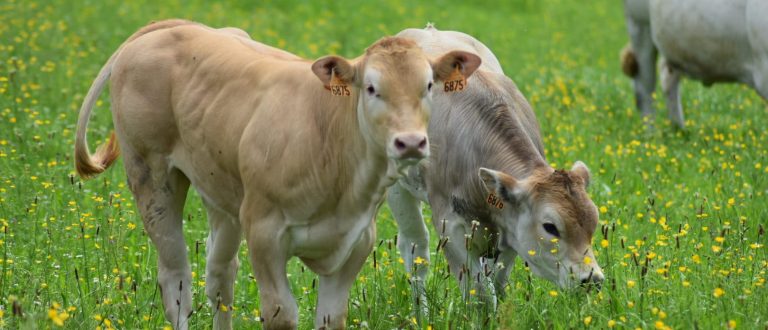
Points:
(222, 264)
(757, 26)
(412, 238)
(645, 54)
(160, 192)
(670, 84)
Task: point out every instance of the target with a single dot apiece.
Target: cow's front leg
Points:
(463, 264)
(412, 238)
(268, 248)
(670, 84)
(334, 288)
(503, 268)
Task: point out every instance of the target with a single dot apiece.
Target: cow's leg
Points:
(757, 32)
(504, 267)
(222, 264)
(645, 54)
(333, 293)
(268, 248)
(761, 81)
(412, 238)
(670, 84)
(463, 264)
(160, 192)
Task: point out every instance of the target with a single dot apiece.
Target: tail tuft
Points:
(629, 62)
(89, 166)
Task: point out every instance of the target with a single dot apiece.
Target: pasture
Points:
(683, 212)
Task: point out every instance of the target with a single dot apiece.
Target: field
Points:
(683, 212)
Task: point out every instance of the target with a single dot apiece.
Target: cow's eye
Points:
(371, 90)
(429, 87)
(551, 229)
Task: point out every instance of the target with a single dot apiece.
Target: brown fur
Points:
(105, 155)
(567, 190)
(629, 63)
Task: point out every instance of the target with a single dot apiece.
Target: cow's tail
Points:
(87, 164)
(629, 61)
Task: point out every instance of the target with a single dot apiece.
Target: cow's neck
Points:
(365, 169)
(491, 135)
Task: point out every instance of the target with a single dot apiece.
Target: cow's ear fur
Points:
(465, 61)
(502, 185)
(343, 69)
(581, 170)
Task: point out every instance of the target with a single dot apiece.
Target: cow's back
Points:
(202, 95)
(435, 42)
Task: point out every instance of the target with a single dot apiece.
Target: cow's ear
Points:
(445, 66)
(580, 170)
(329, 66)
(502, 185)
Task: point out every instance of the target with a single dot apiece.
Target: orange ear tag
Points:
(338, 87)
(494, 201)
(456, 81)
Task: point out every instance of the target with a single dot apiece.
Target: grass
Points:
(683, 212)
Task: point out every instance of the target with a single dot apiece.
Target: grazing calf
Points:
(707, 40)
(493, 194)
(296, 164)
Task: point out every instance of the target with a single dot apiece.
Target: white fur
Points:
(708, 40)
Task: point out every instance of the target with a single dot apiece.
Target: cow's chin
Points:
(397, 168)
(403, 163)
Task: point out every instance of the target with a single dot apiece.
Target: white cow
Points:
(708, 40)
(291, 154)
(493, 194)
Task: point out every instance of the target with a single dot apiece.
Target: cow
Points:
(291, 154)
(708, 40)
(492, 192)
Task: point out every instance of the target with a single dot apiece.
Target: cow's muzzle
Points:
(410, 146)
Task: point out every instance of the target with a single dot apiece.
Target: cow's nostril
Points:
(399, 144)
(590, 282)
(423, 143)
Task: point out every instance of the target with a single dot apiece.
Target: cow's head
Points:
(394, 82)
(549, 220)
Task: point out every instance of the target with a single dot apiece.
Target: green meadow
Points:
(682, 212)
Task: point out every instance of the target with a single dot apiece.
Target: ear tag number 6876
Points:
(495, 201)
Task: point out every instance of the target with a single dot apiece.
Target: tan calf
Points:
(296, 164)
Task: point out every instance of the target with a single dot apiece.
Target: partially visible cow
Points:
(294, 155)
(708, 40)
(492, 193)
